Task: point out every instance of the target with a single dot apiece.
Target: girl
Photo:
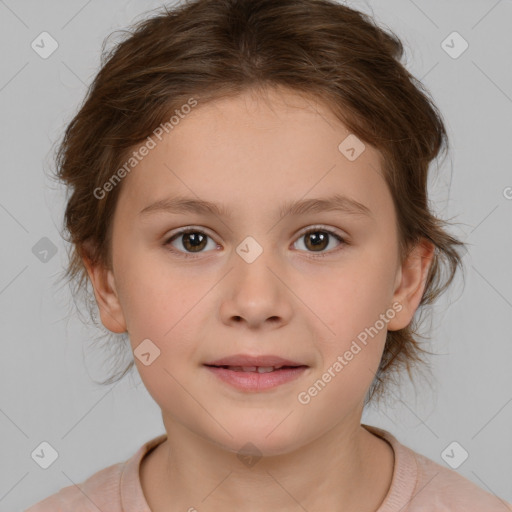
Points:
(249, 202)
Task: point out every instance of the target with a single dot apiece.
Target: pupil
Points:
(195, 239)
(317, 239)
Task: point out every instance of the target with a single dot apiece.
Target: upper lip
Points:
(247, 360)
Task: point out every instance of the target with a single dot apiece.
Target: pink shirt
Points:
(419, 485)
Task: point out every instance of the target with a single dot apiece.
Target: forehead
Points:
(253, 151)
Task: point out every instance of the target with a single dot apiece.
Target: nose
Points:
(255, 295)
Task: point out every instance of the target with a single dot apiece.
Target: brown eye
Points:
(318, 240)
(191, 241)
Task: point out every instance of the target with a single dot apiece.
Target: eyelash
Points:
(312, 229)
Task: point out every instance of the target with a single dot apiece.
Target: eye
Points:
(192, 240)
(317, 239)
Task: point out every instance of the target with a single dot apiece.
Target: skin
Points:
(252, 155)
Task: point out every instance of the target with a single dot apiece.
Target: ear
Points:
(103, 282)
(410, 283)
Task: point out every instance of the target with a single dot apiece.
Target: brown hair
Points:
(211, 49)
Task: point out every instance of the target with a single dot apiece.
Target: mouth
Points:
(256, 369)
(248, 373)
(249, 361)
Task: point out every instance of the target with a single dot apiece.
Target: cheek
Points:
(355, 304)
(162, 309)
(352, 297)
(167, 320)
(156, 299)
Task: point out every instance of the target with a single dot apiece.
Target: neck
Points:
(347, 468)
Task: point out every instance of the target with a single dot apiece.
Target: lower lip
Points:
(254, 381)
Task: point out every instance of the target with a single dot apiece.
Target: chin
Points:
(255, 440)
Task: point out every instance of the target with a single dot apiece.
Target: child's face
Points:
(289, 302)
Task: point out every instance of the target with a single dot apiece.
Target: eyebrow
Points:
(336, 202)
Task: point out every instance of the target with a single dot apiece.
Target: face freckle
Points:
(252, 161)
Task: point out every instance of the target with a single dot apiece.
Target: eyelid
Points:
(187, 229)
(323, 227)
(303, 231)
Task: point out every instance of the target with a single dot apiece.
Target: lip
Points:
(248, 360)
(254, 381)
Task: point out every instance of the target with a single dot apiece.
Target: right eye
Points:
(192, 241)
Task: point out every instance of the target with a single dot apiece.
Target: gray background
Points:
(47, 362)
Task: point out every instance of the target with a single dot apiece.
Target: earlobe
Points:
(103, 282)
(411, 280)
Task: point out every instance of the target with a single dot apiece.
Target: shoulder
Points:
(444, 489)
(420, 484)
(99, 492)
(115, 488)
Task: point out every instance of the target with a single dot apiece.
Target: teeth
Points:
(265, 369)
(258, 369)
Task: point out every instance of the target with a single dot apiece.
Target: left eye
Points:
(194, 240)
(318, 238)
